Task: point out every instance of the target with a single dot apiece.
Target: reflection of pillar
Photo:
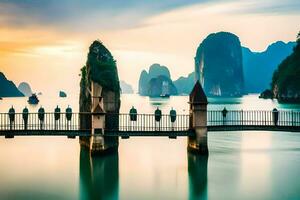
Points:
(197, 170)
(198, 120)
(99, 176)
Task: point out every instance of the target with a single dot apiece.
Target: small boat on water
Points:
(165, 90)
(33, 99)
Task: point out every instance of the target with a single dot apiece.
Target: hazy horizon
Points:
(46, 43)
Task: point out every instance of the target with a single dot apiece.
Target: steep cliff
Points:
(259, 66)
(8, 88)
(100, 68)
(25, 89)
(218, 65)
(286, 78)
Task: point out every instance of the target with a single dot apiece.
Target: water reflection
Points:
(197, 170)
(99, 176)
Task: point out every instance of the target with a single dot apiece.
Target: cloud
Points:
(76, 14)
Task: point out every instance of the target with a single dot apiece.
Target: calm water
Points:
(241, 165)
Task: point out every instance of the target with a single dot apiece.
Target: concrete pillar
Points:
(198, 121)
(102, 103)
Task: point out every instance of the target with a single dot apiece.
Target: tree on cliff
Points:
(101, 67)
(286, 79)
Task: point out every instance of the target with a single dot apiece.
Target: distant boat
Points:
(33, 99)
(165, 95)
(62, 94)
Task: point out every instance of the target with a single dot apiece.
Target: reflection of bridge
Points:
(148, 124)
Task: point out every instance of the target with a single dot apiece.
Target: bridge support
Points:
(198, 121)
(103, 103)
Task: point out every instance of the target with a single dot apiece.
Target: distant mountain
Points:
(219, 65)
(126, 88)
(259, 66)
(8, 88)
(25, 89)
(185, 85)
(157, 80)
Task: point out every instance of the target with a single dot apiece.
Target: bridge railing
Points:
(253, 118)
(33, 121)
(142, 122)
(150, 122)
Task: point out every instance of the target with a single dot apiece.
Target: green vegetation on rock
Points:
(286, 79)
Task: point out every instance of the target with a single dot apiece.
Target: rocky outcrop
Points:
(185, 85)
(218, 65)
(286, 78)
(160, 86)
(8, 88)
(25, 89)
(62, 94)
(157, 82)
(267, 94)
(100, 68)
(126, 88)
(259, 66)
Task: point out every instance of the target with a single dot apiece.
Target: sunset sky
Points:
(45, 43)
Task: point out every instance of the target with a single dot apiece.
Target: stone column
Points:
(198, 121)
(102, 105)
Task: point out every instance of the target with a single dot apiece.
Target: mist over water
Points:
(241, 165)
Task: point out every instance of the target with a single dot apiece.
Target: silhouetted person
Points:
(157, 115)
(56, 116)
(11, 114)
(41, 116)
(68, 116)
(224, 114)
(173, 117)
(275, 116)
(25, 117)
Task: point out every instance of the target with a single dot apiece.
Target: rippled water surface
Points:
(241, 165)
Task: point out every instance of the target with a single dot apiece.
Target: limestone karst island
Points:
(138, 99)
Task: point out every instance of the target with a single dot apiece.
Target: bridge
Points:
(147, 124)
(99, 130)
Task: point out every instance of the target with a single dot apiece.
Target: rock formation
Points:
(157, 82)
(218, 65)
(126, 88)
(25, 89)
(8, 88)
(100, 72)
(62, 94)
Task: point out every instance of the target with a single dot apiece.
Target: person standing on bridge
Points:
(11, 114)
(41, 116)
(157, 115)
(25, 117)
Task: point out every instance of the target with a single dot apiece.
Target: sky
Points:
(45, 43)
